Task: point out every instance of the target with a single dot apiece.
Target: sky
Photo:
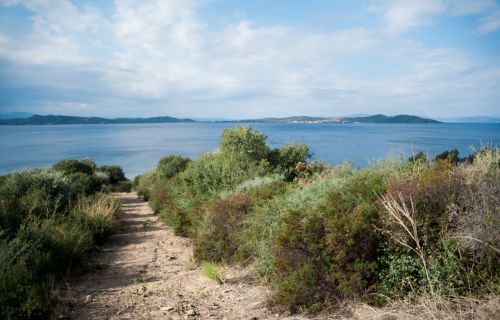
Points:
(246, 59)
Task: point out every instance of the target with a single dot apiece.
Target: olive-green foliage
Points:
(266, 219)
(218, 238)
(335, 241)
(68, 166)
(114, 173)
(45, 230)
(142, 184)
(215, 172)
(23, 295)
(171, 165)
(244, 143)
(83, 183)
(33, 193)
(455, 214)
(319, 234)
(286, 158)
(84, 176)
(97, 213)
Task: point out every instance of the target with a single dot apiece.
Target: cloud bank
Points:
(145, 58)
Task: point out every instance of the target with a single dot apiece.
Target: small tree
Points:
(115, 173)
(69, 166)
(245, 143)
(171, 165)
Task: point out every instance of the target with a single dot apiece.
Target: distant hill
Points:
(15, 115)
(379, 118)
(57, 119)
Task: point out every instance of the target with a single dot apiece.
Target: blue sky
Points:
(240, 59)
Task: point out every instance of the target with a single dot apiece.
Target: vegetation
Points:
(213, 271)
(50, 220)
(321, 234)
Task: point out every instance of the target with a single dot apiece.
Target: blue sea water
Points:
(138, 147)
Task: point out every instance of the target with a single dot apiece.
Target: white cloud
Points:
(490, 23)
(402, 15)
(161, 57)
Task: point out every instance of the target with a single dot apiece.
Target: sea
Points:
(138, 147)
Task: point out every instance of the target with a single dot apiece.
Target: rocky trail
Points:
(144, 271)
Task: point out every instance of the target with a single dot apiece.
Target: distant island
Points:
(378, 118)
(60, 120)
(55, 120)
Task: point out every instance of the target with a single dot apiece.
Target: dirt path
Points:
(144, 271)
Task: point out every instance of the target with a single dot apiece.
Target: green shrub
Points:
(62, 243)
(69, 166)
(125, 186)
(142, 184)
(286, 158)
(441, 230)
(24, 294)
(33, 193)
(219, 237)
(98, 214)
(215, 172)
(44, 231)
(244, 143)
(431, 196)
(85, 184)
(266, 219)
(336, 241)
(170, 166)
(114, 173)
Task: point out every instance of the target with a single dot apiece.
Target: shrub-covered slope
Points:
(50, 219)
(322, 234)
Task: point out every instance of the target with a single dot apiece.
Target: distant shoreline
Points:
(70, 120)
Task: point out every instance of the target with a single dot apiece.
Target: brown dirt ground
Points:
(144, 271)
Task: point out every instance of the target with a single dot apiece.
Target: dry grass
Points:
(427, 307)
(478, 216)
(99, 206)
(404, 216)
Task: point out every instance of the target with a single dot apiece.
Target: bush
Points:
(44, 231)
(98, 214)
(23, 293)
(114, 173)
(442, 234)
(170, 166)
(33, 193)
(335, 242)
(69, 166)
(216, 172)
(218, 238)
(84, 184)
(286, 158)
(142, 184)
(322, 234)
(62, 243)
(477, 212)
(244, 143)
